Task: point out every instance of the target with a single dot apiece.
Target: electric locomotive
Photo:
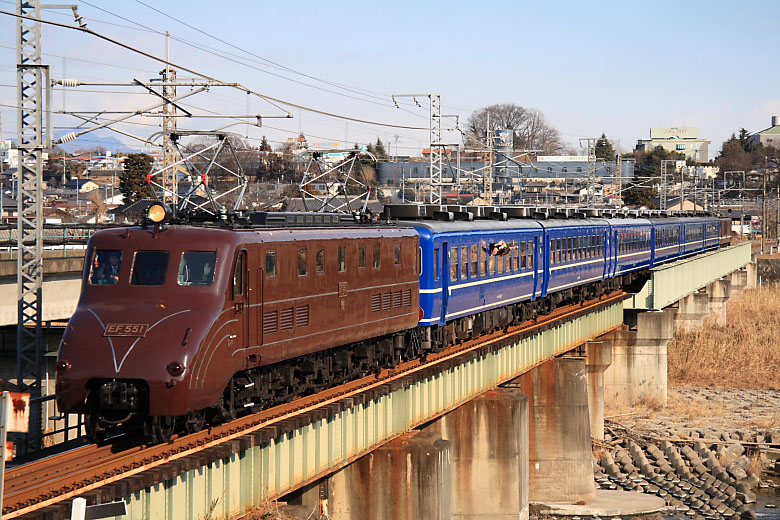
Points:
(189, 324)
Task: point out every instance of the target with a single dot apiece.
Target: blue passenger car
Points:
(469, 267)
(576, 252)
(630, 245)
(667, 233)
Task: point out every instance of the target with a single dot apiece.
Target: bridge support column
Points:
(691, 311)
(409, 477)
(738, 281)
(639, 364)
(489, 438)
(598, 356)
(719, 293)
(752, 273)
(561, 468)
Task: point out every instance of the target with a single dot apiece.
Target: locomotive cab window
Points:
(197, 268)
(106, 267)
(150, 268)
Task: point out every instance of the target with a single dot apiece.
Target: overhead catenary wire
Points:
(270, 99)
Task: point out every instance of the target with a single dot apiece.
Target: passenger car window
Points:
(376, 255)
(474, 261)
(435, 264)
(464, 262)
(105, 267)
(270, 264)
(342, 258)
(453, 263)
(197, 268)
(321, 261)
(302, 261)
(150, 268)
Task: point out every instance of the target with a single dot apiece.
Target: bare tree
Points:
(532, 132)
(99, 205)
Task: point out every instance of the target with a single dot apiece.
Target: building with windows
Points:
(683, 139)
(769, 136)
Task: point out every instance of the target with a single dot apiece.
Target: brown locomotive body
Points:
(168, 318)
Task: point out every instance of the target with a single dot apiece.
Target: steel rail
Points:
(52, 480)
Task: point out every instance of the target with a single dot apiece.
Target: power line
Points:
(265, 97)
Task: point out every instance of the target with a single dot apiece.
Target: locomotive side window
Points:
(150, 268)
(362, 256)
(105, 267)
(397, 255)
(238, 276)
(321, 261)
(270, 264)
(342, 259)
(376, 255)
(197, 268)
(302, 268)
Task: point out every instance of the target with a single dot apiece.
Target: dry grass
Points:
(756, 467)
(742, 354)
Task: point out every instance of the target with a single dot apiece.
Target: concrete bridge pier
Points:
(719, 293)
(598, 357)
(409, 477)
(490, 439)
(561, 467)
(738, 281)
(691, 311)
(639, 364)
(751, 270)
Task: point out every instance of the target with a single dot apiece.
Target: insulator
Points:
(68, 137)
(68, 82)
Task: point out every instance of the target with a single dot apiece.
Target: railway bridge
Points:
(481, 429)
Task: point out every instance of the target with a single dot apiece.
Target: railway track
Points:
(123, 466)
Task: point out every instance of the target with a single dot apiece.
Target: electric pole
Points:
(169, 178)
(591, 168)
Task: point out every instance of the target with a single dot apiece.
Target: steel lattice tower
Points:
(31, 76)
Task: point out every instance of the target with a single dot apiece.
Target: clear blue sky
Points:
(613, 67)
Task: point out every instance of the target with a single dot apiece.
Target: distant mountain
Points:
(95, 139)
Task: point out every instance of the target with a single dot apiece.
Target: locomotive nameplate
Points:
(126, 329)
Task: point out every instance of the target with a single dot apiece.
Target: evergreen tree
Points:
(264, 146)
(132, 182)
(380, 152)
(604, 149)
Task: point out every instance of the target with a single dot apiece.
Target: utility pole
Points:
(31, 76)
(663, 187)
(591, 167)
(619, 175)
(764, 227)
(169, 178)
(487, 176)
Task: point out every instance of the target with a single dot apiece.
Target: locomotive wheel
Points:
(163, 427)
(94, 432)
(195, 421)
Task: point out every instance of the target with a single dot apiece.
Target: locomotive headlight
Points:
(158, 213)
(175, 368)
